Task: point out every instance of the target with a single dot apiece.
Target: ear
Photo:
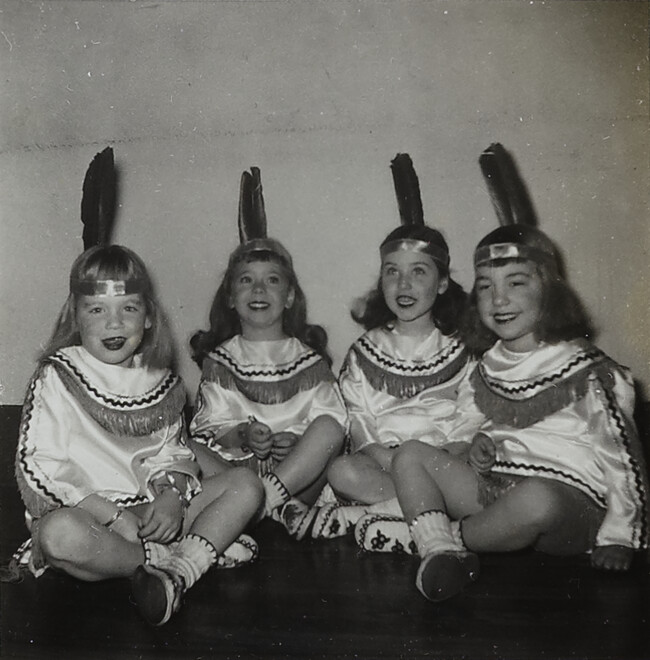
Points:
(291, 297)
(443, 285)
(147, 323)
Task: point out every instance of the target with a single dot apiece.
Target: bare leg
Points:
(225, 506)
(427, 478)
(73, 541)
(551, 516)
(360, 478)
(210, 463)
(303, 472)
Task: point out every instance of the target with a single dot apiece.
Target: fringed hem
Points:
(165, 405)
(521, 413)
(269, 391)
(384, 377)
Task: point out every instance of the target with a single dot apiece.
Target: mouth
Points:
(114, 343)
(405, 301)
(258, 305)
(502, 318)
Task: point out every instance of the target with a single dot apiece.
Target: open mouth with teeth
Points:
(114, 343)
(405, 301)
(502, 319)
(258, 305)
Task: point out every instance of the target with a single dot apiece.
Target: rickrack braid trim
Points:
(125, 416)
(522, 406)
(407, 379)
(268, 386)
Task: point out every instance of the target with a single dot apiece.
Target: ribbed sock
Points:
(191, 558)
(432, 532)
(154, 553)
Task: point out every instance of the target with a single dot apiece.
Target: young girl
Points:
(109, 485)
(400, 379)
(267, 397)
(556, 463)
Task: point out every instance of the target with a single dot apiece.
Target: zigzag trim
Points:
(634, 452)
(35, 505)
(146, 400)
(428, 368)
(511, 392)
(542, 470)
(269, 392)
(406, 386)
(276, 373)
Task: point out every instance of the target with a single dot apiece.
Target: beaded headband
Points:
(487, 253)
(439, 255)
(107, 287)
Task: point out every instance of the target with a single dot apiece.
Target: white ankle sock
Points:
(432, 532)
(191, 558)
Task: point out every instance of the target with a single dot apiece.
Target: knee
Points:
(61, 535)
(342, 473)
(247, 484)
(327, 427)
(541, 503)
(414, 452)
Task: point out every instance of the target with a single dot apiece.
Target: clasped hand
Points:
(482, 453)
(258, 437)
(162, 519)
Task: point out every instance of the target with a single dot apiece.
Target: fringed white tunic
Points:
(283, 384)
(564, 412)
(92, 428)
(398, 387)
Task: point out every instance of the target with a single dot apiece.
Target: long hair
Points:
(115, 262)
(371, 311)
(224, 321)
(563, 316)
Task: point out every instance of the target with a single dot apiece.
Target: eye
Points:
(390, 271)
(482, 286)
(94, 310)
(131, 308)
(244, 279)
(419, 270)
(514, 283)
(274, 279)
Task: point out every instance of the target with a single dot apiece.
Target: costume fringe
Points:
(268, 392)
(404, 386)
(522, 413)
(144, 421)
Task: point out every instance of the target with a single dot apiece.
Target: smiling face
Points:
(509, 301)
(112, 327)
(410, 282)
(260, 293)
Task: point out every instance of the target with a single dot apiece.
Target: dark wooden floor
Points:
(320, 599)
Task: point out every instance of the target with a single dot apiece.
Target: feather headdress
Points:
(251, 222)
(413, 233)
(517, 237)
(98, 200)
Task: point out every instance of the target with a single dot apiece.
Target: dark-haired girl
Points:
(267, 398)
(556, 463)
(400, 379)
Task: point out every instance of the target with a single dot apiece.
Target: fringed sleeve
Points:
(610, 403)
(46, 479)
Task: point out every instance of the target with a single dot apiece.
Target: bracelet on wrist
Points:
(114, 518)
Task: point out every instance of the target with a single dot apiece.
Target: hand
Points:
(128, 526)
(612, 557)
(162, 519)
(283, 443)
(257, 437)
(482, 453)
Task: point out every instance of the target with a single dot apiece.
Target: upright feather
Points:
(252, 215)
(407, 189)
(508, 192)
(98, 200)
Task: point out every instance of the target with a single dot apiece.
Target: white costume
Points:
(398, 387)
(283, 384)
(564, 412)
(89, 427)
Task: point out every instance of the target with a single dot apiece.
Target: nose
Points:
(259, 286)
(499, 296)
(404, 281)
(115, 320)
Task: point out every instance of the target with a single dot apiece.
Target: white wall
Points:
(319, 95)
